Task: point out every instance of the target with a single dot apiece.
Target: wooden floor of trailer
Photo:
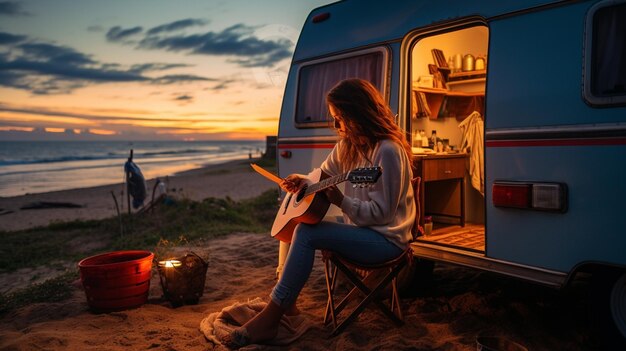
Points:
(470, 237)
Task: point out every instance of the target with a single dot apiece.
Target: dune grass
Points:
(55, 289)
(71, 241)
(168, 221)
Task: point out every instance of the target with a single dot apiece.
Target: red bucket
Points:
(116, 280)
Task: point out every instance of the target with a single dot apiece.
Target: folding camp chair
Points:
(360, 276)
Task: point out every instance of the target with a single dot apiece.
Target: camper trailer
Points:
(516, 114)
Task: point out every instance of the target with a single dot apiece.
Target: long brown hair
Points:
(367, 118)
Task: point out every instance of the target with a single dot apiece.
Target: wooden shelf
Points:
(462, 76)
(448, 92)
(466, 82)
(454, 103)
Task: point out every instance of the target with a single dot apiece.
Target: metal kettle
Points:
(468, 63)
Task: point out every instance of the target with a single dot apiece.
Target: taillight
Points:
(511, 195)
(321, 17)
(530, 195)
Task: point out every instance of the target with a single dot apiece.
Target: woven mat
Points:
(471, 237)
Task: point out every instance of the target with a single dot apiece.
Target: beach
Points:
(446, 312)
(234, 179)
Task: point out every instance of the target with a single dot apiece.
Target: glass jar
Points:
(428, 225)
(432, 142)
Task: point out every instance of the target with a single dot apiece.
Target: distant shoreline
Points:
(232, 178)
(35, 168)
(191, 171)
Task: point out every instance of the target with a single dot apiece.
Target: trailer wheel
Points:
(609, 309)
(617, 304)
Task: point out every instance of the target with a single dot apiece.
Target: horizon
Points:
(42, 136)
(136, 140)
(147, 70)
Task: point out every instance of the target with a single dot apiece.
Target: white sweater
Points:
(388, 206)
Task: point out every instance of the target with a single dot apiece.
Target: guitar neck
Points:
(326, 183)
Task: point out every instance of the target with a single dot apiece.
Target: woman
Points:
(378, 219)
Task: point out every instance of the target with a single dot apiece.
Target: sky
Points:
(145, 69)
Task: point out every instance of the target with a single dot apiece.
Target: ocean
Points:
(28, 167)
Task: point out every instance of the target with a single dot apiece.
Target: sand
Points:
(234, 179)
(446, 312)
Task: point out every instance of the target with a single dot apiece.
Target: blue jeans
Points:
(359, 244)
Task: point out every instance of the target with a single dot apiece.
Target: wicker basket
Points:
(183, 283)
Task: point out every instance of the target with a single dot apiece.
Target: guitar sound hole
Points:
(301, 193)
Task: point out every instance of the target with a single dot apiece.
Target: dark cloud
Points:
(55, 53)
(44, 68)
(146, 67)
(13, 80)
(11, 8)
(266, 60)
(177, 25)
(180, 78)
(61, 113)
(224, 84)
(98, 116)
(238, 41)
(70, 71)
(117, 33)
(55, 86)
(184, 98)
(63, 63)
(8, 38)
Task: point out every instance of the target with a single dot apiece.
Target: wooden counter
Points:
(442, 190)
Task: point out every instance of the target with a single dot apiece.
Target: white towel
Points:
(220, 324)
(472, 128)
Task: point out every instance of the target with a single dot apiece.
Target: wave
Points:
(177, 152)
(59, 159)
(19, 182)
(111, 156)
(112, 163)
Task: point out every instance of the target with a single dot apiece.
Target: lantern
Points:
(183, 278)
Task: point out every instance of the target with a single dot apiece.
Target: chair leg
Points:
(397, 318)
(331, 279)
(371, 295)
(395, 300)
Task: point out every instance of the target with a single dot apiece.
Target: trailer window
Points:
(605, 54)
(315, 80)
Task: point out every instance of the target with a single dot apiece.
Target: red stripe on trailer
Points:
(306, 146)
(556, 142)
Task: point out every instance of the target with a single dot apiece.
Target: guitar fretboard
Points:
(326, 183)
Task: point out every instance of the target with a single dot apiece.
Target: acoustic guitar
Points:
(309, 206)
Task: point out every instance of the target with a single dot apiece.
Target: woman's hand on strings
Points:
(292, 182)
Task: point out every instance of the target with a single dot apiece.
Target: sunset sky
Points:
(145, 69)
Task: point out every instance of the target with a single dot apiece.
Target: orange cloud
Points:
(16, 129)
(102, 132)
